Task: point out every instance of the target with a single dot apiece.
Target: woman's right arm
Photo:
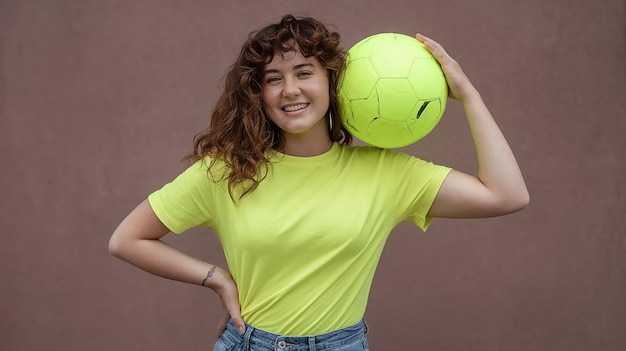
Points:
(137, 241)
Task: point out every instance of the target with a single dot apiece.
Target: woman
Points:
(301, 215)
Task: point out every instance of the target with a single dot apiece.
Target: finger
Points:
(424, 39)
(239, 323)
(233, 310)
(420, 37)
(235, 316)
(227, 291)
(433, 47)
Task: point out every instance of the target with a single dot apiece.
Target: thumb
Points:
(230, 302)
(234, 310)
(238, 322)
(227, 291)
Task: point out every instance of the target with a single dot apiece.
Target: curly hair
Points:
(239, 134)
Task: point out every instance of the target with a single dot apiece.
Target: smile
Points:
(293, 108)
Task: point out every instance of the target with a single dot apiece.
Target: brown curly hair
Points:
(239, 133)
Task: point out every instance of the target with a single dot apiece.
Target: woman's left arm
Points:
(499, 187)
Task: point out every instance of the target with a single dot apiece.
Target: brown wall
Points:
(100, 99)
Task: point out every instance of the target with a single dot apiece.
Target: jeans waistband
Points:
(263, 339)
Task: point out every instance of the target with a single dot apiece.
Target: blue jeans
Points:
(347, 339)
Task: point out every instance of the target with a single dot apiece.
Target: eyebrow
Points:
(295, 68)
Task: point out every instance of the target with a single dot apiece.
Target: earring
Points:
(330, 120)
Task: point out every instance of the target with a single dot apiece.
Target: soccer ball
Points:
(392, 92)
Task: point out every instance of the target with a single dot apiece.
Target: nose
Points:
(291, 87)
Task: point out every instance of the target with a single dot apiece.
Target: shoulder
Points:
(201, 172)
(362, 151)
(395, 164)
(383, 155)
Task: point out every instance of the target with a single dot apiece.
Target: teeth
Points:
(295, 107)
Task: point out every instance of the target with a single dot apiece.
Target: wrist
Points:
(470, 94)
(208, 276)
(217, 279)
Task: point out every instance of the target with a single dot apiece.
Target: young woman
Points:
(302, 215)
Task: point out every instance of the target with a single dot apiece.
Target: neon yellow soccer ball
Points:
(392, 92)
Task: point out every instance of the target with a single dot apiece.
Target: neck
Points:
(306, 147)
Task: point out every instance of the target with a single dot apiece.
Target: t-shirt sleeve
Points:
(187, 201)
(417, 184)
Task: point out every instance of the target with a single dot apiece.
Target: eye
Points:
(304, 74)
(272, 80)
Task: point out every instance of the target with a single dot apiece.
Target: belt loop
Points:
(311, 343)
(246, 337)
(365, 326)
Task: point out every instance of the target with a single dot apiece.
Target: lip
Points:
(296, 107)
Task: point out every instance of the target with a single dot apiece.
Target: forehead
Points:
(290, 59)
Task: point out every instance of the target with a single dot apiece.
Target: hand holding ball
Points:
(393, 92)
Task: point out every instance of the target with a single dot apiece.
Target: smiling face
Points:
(296, 96)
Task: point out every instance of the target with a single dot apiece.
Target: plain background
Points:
(100, 99)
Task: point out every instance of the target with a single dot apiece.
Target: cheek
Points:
(324, 89)
(268, 98)
(268, 102)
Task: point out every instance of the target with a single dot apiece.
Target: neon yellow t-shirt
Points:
(303, 246)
